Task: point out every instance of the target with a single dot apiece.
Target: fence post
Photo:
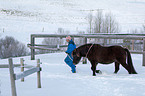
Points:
(84, 59)
(22, 67)
(12, 78)
(132, 44)
(105, 41)
(32, 49)
(143, 52)
(38, 74)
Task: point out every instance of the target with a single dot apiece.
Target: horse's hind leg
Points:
(122, 61)
(116, 67)
(126, 67)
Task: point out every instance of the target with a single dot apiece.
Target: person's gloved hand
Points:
(66, 52)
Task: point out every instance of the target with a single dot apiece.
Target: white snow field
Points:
(20, 18)
(57, 79)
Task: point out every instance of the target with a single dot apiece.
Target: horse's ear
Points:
(74, 50)
(78, 54)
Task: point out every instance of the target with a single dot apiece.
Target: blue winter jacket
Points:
(71, 47)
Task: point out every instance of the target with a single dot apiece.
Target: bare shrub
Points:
(51, 42)
(9, 47)
(102, 23)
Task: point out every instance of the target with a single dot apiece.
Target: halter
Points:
(89, 50)
(86, 54)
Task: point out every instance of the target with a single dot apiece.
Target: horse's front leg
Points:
(93, 63)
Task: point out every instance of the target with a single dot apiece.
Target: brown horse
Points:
(104, 55)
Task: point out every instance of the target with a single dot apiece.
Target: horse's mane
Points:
(85, 45)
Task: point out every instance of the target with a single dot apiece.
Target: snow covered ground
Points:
(57, 79)
(21, 18)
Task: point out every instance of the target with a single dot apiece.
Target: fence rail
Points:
(85, 38)
(23, 74)
(26, 73)
(7, 66)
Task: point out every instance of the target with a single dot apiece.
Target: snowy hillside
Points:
(20, 18)
(57, 79)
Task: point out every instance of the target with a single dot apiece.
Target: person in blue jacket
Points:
(69, 60)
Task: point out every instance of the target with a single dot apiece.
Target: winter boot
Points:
(73, 69)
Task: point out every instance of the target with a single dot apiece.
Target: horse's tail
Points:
(129, 61)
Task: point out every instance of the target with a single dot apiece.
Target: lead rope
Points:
(87, 53)
(85, 56)
(69, 57)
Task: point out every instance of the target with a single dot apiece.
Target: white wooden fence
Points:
(86, 37)
(23, 74)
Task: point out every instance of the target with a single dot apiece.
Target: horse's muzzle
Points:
(74, 63)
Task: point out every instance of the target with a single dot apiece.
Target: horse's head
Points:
(76, 56)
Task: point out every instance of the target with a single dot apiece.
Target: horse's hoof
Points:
(94, 74)
(133, 73)
(115, 72)
(98, 71)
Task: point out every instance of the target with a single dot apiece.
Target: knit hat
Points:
(68, 37)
